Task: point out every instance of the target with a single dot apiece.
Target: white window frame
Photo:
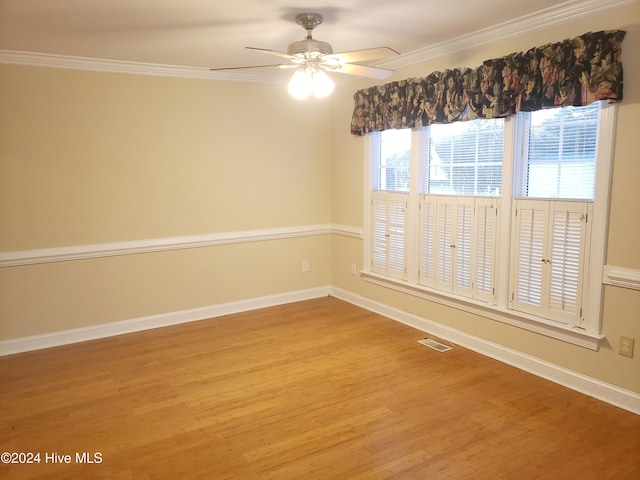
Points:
(589, 333)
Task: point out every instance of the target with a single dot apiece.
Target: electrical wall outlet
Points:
(354, 269)
(626, 346)
(305, 266)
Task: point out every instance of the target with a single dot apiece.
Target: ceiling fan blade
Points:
(365, 55)
(363, 71)
(278, 65)
(273, 52)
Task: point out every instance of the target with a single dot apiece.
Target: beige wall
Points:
(98, 157)
(621, 306)
(90, 158)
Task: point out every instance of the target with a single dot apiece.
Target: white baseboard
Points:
(593, 387)
(611, 394)
(76, 335)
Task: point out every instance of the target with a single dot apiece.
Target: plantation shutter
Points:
(427, 250)
(396, 232)
(444, 232)
(568, 238)
(485, 248)
(531, 223)
(379, 235)
(457, 245)
(551, 238)
(462, 246)
(388, 223)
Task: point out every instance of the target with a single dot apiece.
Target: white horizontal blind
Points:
(561, 153)
(388, 234)
(465, 158)
(391, 160)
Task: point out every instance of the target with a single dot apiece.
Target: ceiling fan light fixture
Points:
(322, 85)
(300, 85)
(310, 81)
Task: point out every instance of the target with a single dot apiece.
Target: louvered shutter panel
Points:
(388, 224)
(462, 249)
(396, 231)
(444, 227)
(531, 224)
(550, 251)
(567, 244)
(485, 249)
(379, 235)
(427, 241)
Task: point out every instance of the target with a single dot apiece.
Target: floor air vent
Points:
(435, 345)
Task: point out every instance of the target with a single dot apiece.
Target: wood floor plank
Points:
(319, 389)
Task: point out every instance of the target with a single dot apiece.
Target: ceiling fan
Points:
(311, 58)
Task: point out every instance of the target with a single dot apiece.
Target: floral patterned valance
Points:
(572, 72)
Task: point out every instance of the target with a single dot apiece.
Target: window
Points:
(504, 215)
(557, 161)
(558, 156)
(457, 227)
(465, 158)
(390, 178)
(391, 161)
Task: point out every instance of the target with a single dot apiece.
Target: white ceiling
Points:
(213, 33)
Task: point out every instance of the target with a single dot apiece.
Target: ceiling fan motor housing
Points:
(309, 47)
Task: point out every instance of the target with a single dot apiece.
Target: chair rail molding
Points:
(81, 252)
(621, 277)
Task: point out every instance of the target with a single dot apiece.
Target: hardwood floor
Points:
(316, 390)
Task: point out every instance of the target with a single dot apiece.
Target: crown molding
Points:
(545, 18)
(117, 66)
(558, 14)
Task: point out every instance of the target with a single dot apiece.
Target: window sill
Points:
(557, 330)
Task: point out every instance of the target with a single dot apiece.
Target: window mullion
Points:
(504, 205)
(413, 202)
